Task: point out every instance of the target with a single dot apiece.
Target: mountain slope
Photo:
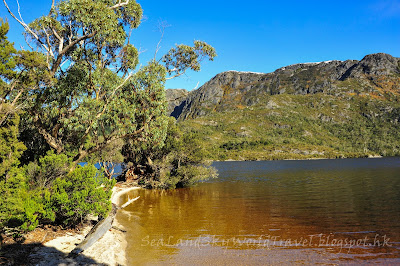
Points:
(376, 74)
(328, 109)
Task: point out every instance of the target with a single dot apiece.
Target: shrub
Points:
(20, 207)
(10, 147)
(191, 174)
(79, 194)
(49, 167)
(180, 162)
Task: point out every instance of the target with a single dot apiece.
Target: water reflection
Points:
(257, 211)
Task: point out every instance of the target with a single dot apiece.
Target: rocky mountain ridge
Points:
(376, 75)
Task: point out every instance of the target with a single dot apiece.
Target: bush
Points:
(67, 201)
(191, 174)
(49, 167)
(184, 162)
(20, 207)
(10, 147)
(79, 194)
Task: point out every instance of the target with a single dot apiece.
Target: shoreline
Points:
(109, 250)
(305, 159)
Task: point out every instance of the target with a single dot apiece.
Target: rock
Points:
(231, 89)
(175, 97)
(272, 105)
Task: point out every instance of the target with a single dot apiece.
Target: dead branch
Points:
(26, 27)
(128, 202)
(120, 4)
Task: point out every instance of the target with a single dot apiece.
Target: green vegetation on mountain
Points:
(301, 127)
(316, 110)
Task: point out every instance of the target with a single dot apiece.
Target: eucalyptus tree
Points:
(10, 148)
(7, 71)
(80, 82)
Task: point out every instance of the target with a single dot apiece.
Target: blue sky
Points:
(258, 36)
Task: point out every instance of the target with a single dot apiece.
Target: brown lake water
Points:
(272, 212)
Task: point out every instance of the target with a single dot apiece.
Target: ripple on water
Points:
(273, 212)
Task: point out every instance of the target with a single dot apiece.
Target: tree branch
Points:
(26, 27)
(66, 49)
(48, 41)
(162, 25)
(83, 153)
(120, 4)
(52, 141)
(87, 131)
(60, 40)
(52, 6)
(129, 202)
(176, 75)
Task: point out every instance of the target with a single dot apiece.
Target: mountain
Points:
(328, 109)
(175, 97)
(373, 75)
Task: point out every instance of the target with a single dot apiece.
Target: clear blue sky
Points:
(258, 36)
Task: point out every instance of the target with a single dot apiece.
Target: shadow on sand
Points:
(38, 254)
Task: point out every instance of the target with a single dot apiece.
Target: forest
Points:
(80, 97)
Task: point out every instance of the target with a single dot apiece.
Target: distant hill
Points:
(327, 109)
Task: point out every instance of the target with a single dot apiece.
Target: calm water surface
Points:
(325, 211)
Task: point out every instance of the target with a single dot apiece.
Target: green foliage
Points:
(49, 167)
(240, 145)
(101, 96)
(181, 162)
(109, 157)
(301, 127)
(20, 206)
(44, 192)
(148, 92)
(7, 62)
(81, 95)
(78, 194)
(189, 174)
(10, 147)
(182, 57)
(36, 145)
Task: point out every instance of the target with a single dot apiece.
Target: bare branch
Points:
(176, 75)
(70, 31)
(161, 27)
(66, 48)
(52, 5)
(19, 12)
(13, 109)
(26, 27)
(129, 202)
(12, 14)
(120, 4)
(60, 40)
(26, 43)
(52, 141)
(17, 97)
(48, 41)
(197, 85)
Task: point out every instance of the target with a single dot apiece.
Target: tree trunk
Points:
(96, 232)
(104, 225)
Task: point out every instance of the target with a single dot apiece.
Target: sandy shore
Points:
(109, 250)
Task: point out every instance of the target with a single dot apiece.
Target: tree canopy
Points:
(80, 83)
(78, 94)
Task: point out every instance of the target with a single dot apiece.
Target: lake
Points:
(270, 212)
